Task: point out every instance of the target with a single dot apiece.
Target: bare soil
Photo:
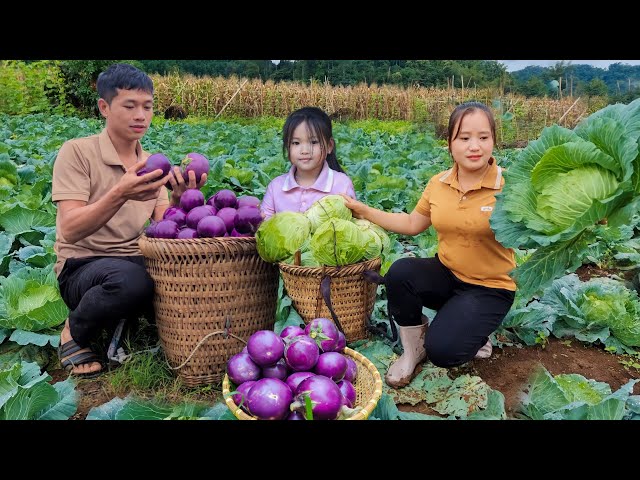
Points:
(509, 368)
(506, 371)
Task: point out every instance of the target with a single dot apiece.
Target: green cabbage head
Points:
(338, 242)
(594, 310)
(561, 185)
(608, 302)
(331, 206)
(278, 237)
(376, 238)
(8, 171)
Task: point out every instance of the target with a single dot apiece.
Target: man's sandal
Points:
(68, 349)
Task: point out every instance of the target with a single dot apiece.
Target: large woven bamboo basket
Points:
(211, 294)
(352, 296)
(368, 387)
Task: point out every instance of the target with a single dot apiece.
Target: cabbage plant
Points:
(599, 309)
(8, 171)
(30, 300)
(564, 183)
(574, 397)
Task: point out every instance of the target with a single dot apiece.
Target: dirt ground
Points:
(506, 371)
(509, 368)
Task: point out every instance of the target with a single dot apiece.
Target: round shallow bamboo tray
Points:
(368, 389)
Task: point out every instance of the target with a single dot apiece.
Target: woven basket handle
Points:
(374, 277)
(325, 289)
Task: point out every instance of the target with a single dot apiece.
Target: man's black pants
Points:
(100, 291)
(467, 313)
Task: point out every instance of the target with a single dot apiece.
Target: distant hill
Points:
(619, 81)
(619, 78)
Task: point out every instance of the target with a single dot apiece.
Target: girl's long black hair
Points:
(320, 125)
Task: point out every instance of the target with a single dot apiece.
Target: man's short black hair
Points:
(122, 76)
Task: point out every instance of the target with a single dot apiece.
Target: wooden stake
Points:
(232, 97)
(571, 87)
(560, 87)
(568, 109)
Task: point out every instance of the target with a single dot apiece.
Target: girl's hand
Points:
(179, 186)
(358, 209)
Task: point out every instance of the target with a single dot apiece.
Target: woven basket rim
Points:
(311, 271)
(360, 415)
(197, 240)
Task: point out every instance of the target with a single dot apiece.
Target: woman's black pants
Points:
(467, 313)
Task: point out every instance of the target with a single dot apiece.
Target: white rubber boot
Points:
(485, 351)
(400, 373)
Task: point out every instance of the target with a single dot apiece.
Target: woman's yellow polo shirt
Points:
(466, 244)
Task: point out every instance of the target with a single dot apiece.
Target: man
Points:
(103, 206)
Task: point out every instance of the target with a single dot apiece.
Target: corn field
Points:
(518, 119)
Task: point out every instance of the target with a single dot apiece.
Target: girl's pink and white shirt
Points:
(285, 195)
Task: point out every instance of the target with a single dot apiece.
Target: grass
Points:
(147, 373)
(262, 122)
(143, 373)
(631, 362)
(393, 127)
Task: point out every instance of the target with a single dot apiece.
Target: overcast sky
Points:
(513, 65)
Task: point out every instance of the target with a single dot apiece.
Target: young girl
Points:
(468, 280)
(307, 141)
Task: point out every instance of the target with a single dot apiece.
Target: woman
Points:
(467, 281)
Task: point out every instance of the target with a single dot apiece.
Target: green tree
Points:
(533, 87)
(595, 88)
(30, 87)
(80, 77)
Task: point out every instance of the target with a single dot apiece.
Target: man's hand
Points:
(141, 188)
(179, 186)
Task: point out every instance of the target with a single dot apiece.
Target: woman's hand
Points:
(397, 222)
(179, 186)
(358, 209)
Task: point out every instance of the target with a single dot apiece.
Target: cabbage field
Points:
(571, 202)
